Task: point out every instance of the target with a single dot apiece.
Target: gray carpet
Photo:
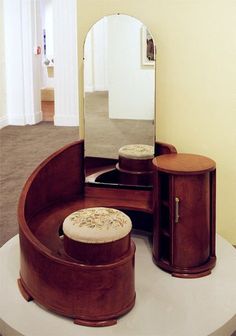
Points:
(105, 140)
(22, 148)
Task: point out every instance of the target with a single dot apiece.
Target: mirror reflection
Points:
(119, 86)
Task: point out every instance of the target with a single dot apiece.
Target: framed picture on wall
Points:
(147, 47)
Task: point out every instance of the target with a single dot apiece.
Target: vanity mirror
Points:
(119, 95)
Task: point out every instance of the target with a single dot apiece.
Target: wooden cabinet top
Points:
(183, 164)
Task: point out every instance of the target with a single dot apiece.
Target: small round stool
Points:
(135, 164)
(99, 239)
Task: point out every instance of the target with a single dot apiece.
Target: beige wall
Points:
(2, 67)
(196, 81)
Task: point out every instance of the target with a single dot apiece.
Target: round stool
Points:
(135, 164)
(97, 235)
(99, 239)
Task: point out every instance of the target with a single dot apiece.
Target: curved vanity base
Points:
(89, 294)
(95, 323)
(97, 294)
(106, 322)
(188, 273)
(191, 276)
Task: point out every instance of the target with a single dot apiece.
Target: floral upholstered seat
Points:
(137, 151)
(97, 225)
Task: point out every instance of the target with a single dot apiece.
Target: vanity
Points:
(183, 241)
(170, 196)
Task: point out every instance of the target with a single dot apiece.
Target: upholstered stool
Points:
(99, 239)
(97, 235)
(135, 164)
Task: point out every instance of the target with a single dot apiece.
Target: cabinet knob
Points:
(176, 209)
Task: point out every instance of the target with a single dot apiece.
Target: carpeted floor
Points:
(22, 148)
(105, 141)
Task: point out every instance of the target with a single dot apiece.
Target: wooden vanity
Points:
(183, 231)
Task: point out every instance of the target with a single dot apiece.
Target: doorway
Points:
(47, 68)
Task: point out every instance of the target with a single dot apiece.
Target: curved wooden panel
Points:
(163, 148)
(59, 178)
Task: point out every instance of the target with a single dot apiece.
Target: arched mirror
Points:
(119, 88)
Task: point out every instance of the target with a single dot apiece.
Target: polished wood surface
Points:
(59, 178)
(134, 171)
(96, 254)
(184, 163)
(91, 294)
(97, 288)
(123, 171)
(135, 165)
(88, 293)
(95, 164)
(184, 224)
(162, 148)
(191, 235)
(128, 198)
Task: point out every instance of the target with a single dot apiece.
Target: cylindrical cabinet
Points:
(184, 214)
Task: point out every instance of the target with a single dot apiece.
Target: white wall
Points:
(88, 63)
(14, 64)
(22, 66)
(3, 114)
(65, 63)
(95, 58)
(131, 85)
(23, 33)
(100, 55)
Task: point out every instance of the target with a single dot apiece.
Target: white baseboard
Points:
(30, 119)
(100, 88)
(16, 121)
(94, 89)
(3, 121)
(35, 119)
(64, 120)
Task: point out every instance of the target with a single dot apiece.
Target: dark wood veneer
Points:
(90, 254)
(90, 294)
(184, 226)
(58, 187)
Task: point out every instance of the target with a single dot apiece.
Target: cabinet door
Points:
(191, 230)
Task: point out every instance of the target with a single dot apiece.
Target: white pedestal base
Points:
(165, 305)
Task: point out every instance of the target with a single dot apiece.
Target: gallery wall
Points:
(22, 66)
(95, 58)
(130, 82)
(3, 117)
(65, 68)
(195, 81)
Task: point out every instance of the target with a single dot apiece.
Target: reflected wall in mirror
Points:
(119, 88)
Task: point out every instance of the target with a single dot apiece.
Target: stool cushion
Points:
(97, 225)
(137, 151)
